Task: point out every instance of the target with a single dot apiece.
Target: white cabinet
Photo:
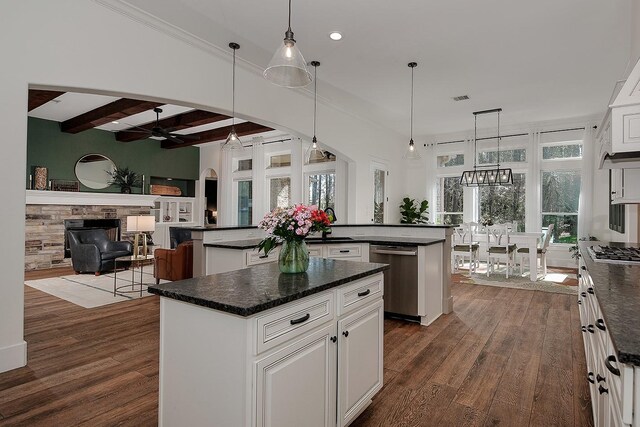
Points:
(625, 115)
(174, 210)
(359, 360)
(344, 251)
(296, 385)
(625, 186)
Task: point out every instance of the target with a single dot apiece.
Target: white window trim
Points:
(439, 176)
(572, 165)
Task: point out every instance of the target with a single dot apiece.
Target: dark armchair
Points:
(93, 251)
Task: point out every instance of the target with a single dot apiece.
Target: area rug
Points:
(560, 281)
(90, 291)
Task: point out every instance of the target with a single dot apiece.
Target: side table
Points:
(133, 287)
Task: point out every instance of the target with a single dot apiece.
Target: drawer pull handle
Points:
(579, 302)
(603, 390)
(263, 256)
(364, 293)
(345, 333)
(345, 251)
(583, 267)
(600, 325)
(615, 371)
(583, 294)
(590, 290)
(590, 378)
(600, 378)
(300, 320)
(583, 328)
(579, 275)
(591, 329)
(334, 338)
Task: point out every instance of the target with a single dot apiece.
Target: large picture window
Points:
(322, 190)
(517, 155)
(279, 192)
(245, 202)
(449, 200)
(560, 201)
(501, 204)
(379, 195)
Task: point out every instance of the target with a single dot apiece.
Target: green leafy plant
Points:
(574, 249)
(125, 178)
(412, 213)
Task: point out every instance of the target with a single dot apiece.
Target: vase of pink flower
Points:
(290, 226)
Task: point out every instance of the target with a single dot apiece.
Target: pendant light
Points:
(288, 67)
(486, 175)
(412, 152)
(233, 141)
(314, 154)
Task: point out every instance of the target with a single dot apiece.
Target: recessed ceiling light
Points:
(335, 36)
(115, 122)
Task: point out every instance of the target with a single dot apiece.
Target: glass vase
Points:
(294, 257)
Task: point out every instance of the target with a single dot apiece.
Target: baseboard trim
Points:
(13, 356)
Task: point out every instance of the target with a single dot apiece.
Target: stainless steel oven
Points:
(401, 280)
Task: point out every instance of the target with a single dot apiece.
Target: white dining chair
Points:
(464, 245)
(542, 252)
(499, 248)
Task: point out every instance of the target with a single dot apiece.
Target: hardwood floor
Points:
(506, 357)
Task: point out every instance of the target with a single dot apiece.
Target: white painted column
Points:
(533, 190)
(225, 205)
(258, 181)
(297, 179)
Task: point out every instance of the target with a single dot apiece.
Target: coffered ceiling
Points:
(538, 60)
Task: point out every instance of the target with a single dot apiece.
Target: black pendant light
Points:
(314, 154)
(486, 175)
(287, 67)
(233, 141)
(412, 151)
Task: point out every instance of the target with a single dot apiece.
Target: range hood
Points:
(628, 160)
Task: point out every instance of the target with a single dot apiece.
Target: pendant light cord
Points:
(498, 140)
(289, 15)
(411, 120)
(315, 98)
(475, 141)
(233, 91)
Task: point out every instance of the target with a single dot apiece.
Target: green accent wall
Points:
(58, 151)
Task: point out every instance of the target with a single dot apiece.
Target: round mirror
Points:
(92, 170)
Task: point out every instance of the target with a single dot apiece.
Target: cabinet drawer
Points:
(254, 257)
(282, 325)
(344, 251)
(315, 250)
(360, 293)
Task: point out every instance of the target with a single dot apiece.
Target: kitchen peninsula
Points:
(255, 347)
(222, 249)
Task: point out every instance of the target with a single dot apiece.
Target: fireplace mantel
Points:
(37, 197)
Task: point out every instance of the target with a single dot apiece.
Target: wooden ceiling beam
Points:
(113, 111)
(181, 121)
(38, 97)
(218, 134)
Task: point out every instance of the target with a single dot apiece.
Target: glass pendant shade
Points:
(412, 152)
(314, 154)
(288, 67)
(233, 141)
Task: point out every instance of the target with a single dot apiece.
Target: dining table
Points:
(522, 239)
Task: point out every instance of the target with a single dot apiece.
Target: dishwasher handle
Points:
(388, 252)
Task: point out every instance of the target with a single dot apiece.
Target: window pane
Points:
(449, 219)
(322, 190)
(565, 227)
(378, 196)
(328, 157)
(245, 165)
(560, 191)
(569, 151)
(506, 156)
(280, 160)
(506, 203)
(279, 193)
(451, 160)
(449, 201)
(245, 201)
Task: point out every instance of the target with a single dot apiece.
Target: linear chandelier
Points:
(486, 175)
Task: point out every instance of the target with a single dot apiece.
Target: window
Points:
(560, 200)
(449, 201)
(379, 176)
(244, 165)
(322, 190)
(506, 203)
(516, 155)
(245, 201)
(564, 151)
(279, 192)
(450, 160)
(280, 160)
(328, 157)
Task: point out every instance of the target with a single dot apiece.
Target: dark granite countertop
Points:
(374, 240)
(617, 287)
(252, 290)
(244, 227)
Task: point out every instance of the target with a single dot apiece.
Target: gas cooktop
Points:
(615, 255)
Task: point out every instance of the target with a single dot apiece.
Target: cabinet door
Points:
(296, 385)
(359, 360)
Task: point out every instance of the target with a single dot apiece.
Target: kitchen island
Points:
(255, 347)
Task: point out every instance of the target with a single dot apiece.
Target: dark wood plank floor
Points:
(505, 357)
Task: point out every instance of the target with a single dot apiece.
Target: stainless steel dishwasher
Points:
(401, 280)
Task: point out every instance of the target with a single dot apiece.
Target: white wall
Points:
(635, 34)
(87, 46)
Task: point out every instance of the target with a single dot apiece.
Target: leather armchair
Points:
(93, 251)
(174, 264)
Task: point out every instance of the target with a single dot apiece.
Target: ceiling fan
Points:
(160, 132)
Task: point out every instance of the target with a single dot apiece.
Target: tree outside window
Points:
(449, 200)
(279, 193)
(322, 190)
(504, 203)
(560, 201)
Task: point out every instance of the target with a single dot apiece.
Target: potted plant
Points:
(413, 213)
(125, 178)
